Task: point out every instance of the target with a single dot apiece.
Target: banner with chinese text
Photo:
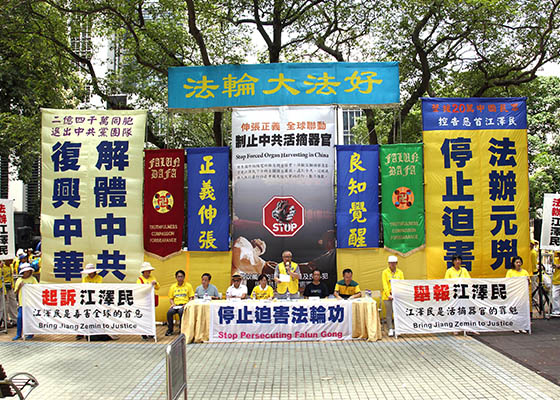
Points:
(88, 309)
(208, 199)
(278, 84)
(550, 232)
(283, 190)
(164, 205)
(450, 305)
(477, 183)
(402, 191)
(91, 204)
(357, 209)
(7, 239)
(261, 321)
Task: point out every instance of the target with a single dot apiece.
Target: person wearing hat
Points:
(27, 277)
(237, 290)
(346, 288)
(89, 274)
(7, 276)
(391, 272)
(21, 257)
(147, 278)
(457, 271)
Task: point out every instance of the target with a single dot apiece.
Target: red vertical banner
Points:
(164, 206)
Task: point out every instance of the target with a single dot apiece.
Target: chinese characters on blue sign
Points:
(224, 86)
(208, 199)
(357, 210)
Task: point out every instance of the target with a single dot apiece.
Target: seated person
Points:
(206, 289)
(457, 270)
(236, 290)
(262, 291)
(316, 288)
(346, 288)
(179, 294)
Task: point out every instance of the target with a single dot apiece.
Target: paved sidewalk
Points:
(427, 367)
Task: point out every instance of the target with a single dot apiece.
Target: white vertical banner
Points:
(283, 189)
(7, 239)
(451, 305)
(550, 232)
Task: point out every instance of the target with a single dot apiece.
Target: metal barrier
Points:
(176, 368)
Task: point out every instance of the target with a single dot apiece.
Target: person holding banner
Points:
(456, 271)
(148, 279)
(515, 271)
(391, 272)
(179, 294)
(287, 276)
(346, 288)
(90, 274)
(262, 291)
(556, 286)
(7, 277)
(27, 277)
(236, 290)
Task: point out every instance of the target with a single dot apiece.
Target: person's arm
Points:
(358, 294)
(191, 294)
(296, 274)
(447, 273)
(18, 286)
(276, 274)
(306, 293)
(325, 291)
(467, 275)
(244, 294)
(215, 294)
(386, 283)
(336, 294)
(171, 296)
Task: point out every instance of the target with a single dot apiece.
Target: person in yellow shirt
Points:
(515, 271)
(391, 272)
(90, 274)
(262, 291)
(27, 277)
(147, 278)
(179, 294)
(457, 271)
(287, 270)
(556, 285)
(7, 276)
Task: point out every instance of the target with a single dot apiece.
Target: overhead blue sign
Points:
(225, 86)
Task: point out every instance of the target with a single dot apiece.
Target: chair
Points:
(376, 295)
(20, 384)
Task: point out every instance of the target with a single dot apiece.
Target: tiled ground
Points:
(428, 367)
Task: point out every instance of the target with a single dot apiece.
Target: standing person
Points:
(237, 290)
(147, 278)
(456, 271)
(262, 291)
(27, 277)
(346, 288)
(514, 271)
(90, 275)
(316, 288)
(391, 272)
(556, 285)
(287, 276)
(179, 294)
(206, 289)
(7, 276)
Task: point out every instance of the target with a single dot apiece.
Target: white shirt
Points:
(232, 291)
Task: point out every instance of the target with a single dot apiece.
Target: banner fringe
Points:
(160, 258)
(408, 253)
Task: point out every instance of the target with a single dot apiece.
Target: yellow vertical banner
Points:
(476, 184)
(91, 194)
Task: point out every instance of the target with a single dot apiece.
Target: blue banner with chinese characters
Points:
(477, 184)
(91, 194)
(357, 210)
(208, 199)
(224, 86)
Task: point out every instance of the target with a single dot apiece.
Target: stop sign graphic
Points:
(283, 216)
